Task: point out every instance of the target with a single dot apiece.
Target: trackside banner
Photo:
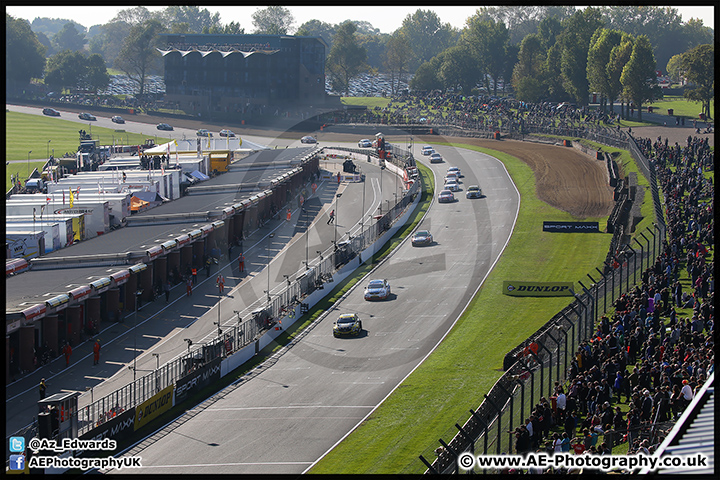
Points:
(571, 227)
(538, 289)
(153, 407)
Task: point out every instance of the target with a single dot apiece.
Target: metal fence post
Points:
(634, 267)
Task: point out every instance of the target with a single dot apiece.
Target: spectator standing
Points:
(43, 389)
(96, 352)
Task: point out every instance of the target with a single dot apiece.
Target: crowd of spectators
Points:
(479, 112)
(647, 351)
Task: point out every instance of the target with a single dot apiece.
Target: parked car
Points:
(347, 324)
(86, 116)
(422, 238)
(308, 139)
(427, 150)
(446, 196)
(203, 133)
(436, 158)
(377, 290)
(117, 119)
(164, 126)
(364, 143)
(473, 191)
(51, 112)
(227, 133)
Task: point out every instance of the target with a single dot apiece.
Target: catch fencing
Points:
(533, 367)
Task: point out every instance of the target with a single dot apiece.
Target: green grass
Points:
(25, 133)
(468, 362)
(680, 106)
(369, 102)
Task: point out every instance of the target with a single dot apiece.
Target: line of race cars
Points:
(349, 324)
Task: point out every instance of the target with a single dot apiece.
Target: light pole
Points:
(48, 148)
(28, 163)
(137, 295)
(268, 265)
(337, 214)
(307, 233)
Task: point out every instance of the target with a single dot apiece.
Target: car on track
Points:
(227, 133)
(452, 185)
(377, 290)
(117, 119)
(347, 324)
(455, 170)
(203, 132)
(422, 238)
(51, 112)
(473, 191)
(164, 126)
(364, 143)
(427, 150)
(308, 139)
(436, 158)
(451, 177)
(446, 196)
(86, 116)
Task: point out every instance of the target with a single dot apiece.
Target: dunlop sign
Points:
(538, 289)
(152, 408)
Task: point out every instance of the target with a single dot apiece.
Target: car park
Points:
(203, 133)
(364, 143)
(455, 170)
(473, 191)
(51, 112)
(422, 238)
(435, 158)
(86, 116)
(347, 324)
(452, 185)
(377, 290)
(227, 133)
(308, 139)
(446, 196)
(117, 119)
(164, 126)
(427, 150)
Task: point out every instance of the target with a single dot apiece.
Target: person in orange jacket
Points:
(67, 350)
(96, 352)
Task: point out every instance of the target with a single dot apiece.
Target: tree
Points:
(553, 80)
(574, 42)
(317, 28)
(427, 36)
(273, 20)
(346, 58)
(69, 38)
(699, 66)
(601, 45)
(619, 56)
(456, 71)
(139, 55)
(24, 54)
(110, 40)
(675, 68)
(638, 76)
(426, 77)
(65, 69)
(197, 19)
(232, 28)
(397, 58)
(135, 16)
(524, 20)
(487, 41)
(528, 73)
(96, 76)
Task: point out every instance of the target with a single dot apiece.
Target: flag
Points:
(72, 198)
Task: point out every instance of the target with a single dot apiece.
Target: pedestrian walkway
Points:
(157, 321)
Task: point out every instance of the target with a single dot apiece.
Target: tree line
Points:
(540, 52)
